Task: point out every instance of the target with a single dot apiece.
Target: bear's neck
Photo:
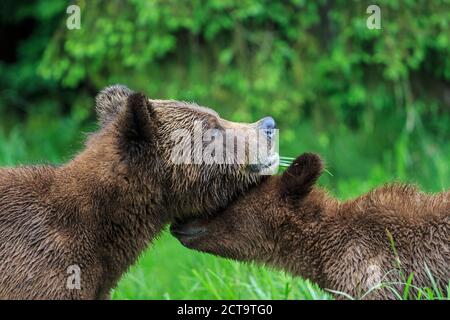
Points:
(298, 250)
(116, 217)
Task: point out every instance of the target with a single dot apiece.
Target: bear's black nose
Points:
(268, 126)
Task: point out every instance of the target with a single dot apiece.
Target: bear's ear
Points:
(297, 181)
(110, 101)
(135, 122)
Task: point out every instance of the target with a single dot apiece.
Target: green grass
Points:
(167, 270)
(409, 292)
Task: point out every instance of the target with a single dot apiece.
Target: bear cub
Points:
(366, 247)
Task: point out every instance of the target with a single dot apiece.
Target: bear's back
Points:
(392, 229)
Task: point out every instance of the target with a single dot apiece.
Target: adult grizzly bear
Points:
(350, 247)
(70, 232)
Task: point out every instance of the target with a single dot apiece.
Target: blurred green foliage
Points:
(374, 103)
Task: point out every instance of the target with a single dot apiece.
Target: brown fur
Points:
(288, 223)
(100, 210)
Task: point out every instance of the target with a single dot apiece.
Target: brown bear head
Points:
(178, 151)
(259, 224)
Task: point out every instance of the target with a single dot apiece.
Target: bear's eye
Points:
(215, 132)
(212, 122)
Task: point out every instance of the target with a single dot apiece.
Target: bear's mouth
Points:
(266, 166)
(188, 229)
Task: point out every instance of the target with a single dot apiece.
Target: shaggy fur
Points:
(100, 210)
(348, 247)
